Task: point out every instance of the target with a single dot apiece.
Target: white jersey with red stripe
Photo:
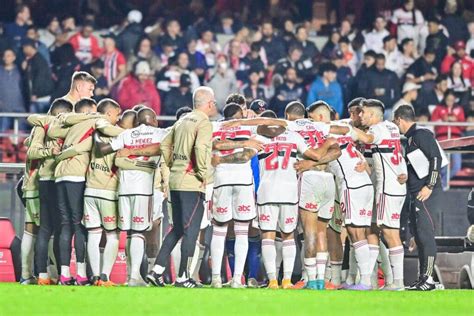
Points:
(231, 173)
(135, 182)
(278, 177)
(314, 133)
(388, 162)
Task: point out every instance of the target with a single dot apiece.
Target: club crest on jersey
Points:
(243, 208)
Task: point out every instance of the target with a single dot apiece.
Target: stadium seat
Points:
(119, 271)
(7, 238)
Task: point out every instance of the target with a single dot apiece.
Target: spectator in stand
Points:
(234, 56)
(437, 40)
(86, 45)
(274, 46)
(383, 85)
(253, 61)
(139, 88)
(253, 89)
(310, 51)
(326, 88)
(293, 60)
(178, 97)
(169, 77)
(128, 38)
(458, 84)
(222, 81)
(343, 74)
(423, 71)
(144, 52)
(173, 35)
(433, 97)
(448, 111)
(408, 56)
(66, 65)
(115, 65)
(408, 22)
(242, 37)
(49, 34)
(454, 23)
(5, 42)
(374, 38)
(101, 90)
(346, 30)
(469, 132)
(466, 61)
(350, 58)
(392, 55)
(288, 33)
(410, 94)
(207, 46)
(11, 94)
(32, 33)
(331, 45)
(227, 24)
(289, 91)
(38, 77)
(68, 26)
(197, 60)
(166, 52)
(470, 42)
(359, 86)
(16, 30)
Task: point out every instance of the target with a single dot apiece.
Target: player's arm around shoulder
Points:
(41, 120)
(71, 119)
(359, 135)
(125, 163)
(36, 147)
(56, 130)
(75, 150)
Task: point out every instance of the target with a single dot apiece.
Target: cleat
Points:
(44, 281)
(252, 283)
(137, 283)
(345, 286)
(82, 281)
(29, 281)
(360, 287)
(286, 284)
(66, 281)
(106, 283)
(320, 285)
(237, 284)
(216, 283)
(95, 280)
(392, 287)
(425, 284)
(311, 285)
(155, 279)
(273, 285)
(414, 284)
(189, 284)
(301, 284)
(332, 286)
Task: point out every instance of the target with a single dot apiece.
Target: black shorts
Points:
(71, 201)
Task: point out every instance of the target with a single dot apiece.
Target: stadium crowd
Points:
(405, 60)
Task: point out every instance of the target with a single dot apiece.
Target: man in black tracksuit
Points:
(423, 194)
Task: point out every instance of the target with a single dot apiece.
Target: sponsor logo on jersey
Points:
(369, 213)
(109, 219)
(179, 157)
(395, 216)
(311, 206)
(363, 212)
(264, 218)
(221, 210)
(289, 220)
(138, 219)
(97, 166)
(243, 208)
(135, 134)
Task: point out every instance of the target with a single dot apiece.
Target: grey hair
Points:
(201, 94)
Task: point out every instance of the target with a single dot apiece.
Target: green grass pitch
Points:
(56, 300)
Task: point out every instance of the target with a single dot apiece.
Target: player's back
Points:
(102, 172)
(278, 177)
(314, 133)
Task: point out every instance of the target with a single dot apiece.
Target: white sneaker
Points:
(392, 287)
(252, 283)
(137, 283)
(237, 284)
(216, 283)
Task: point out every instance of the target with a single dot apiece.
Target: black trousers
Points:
(188, 209)
(71, 209)
(422, 227)
(50, 224)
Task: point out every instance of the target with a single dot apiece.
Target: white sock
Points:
(81, 269)
(289, 255)
(158, 269)
(279, 256)
(217, 248)
(93, 251)
(241, 248)
(328, 271)
(110, 253)
(65, 272)
(310, 267)
(195, 273)
(269, 257)
(127, 253)
(27, 254)
(194, 259)
(373, 254)
(176, 255)
(396, 255)
(385, 264)
(336, 268)
(352, 273)
(362, 253)
(52, 265)
(137, 249)
(321, 261)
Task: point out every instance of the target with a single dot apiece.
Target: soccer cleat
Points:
(155, 279)
(311, 285)
(320, 285)
(106, 283)
(286, 284)
(252, 283)
(189, 283)
(301, 284)
(273, 285)
(41, 281)
(216, 283)
(66, 281)
(237, 284)
(95, 280)
(331, 286)
(426, 284)
(392, 287)
(29, 281)
(82, 281)
(360, 287)
(137, 283)
(414, 284)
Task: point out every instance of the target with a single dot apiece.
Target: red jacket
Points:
(440, 114)
(467, 66)
(93, 47)
(132, 92)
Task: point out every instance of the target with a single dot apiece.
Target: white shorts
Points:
(32, 207)
(282, 217)
(158, 198)
(206, 216)
(389, 209)
(234, 202)
(357, 206)
(100, 212)
(317, 193)
(136, 212)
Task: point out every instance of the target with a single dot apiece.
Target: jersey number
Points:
(272, 162)
(225, 136)
(396, 146)
(312, 138)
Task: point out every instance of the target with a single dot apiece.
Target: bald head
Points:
(319, 112)
(147, 116)
(128, 119)
(204, 100)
